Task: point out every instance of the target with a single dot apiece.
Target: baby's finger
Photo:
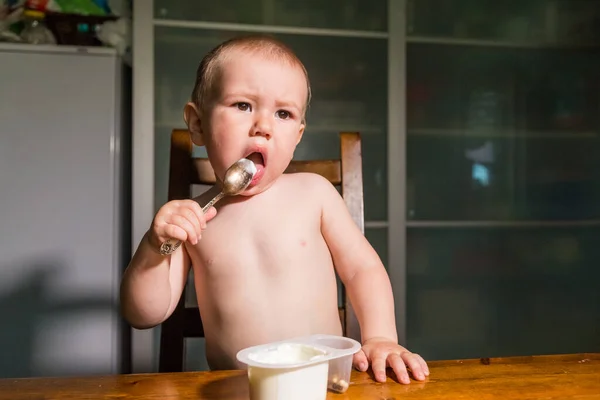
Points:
(191, 216)
(183, 223)
(423, 365)
(397, 364)
(360, 361)
(378, 366)
(413, 362)
(175, 232)
(210, 214)
(195, 207)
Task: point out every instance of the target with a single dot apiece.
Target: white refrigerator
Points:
(64, 210)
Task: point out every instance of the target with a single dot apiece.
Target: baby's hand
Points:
(179, 219)
(382, 353)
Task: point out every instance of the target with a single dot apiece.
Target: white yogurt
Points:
(282, 382)
(286, 354)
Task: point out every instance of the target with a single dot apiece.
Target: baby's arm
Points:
(369, 290)
(359, 268)
(153, 283)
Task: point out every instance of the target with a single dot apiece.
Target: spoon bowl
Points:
(238, 177)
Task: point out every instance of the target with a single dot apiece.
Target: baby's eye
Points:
(283, 114)
(243, 106)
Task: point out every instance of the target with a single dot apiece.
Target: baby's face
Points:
(258, 113)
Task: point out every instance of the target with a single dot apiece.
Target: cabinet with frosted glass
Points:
(503, 177)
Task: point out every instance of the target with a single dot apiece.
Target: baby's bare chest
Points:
(252, 241)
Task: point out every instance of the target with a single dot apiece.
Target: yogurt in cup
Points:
(300, 368)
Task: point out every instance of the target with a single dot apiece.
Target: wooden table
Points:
(575, 376)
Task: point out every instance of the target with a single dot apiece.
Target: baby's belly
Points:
(264, 306)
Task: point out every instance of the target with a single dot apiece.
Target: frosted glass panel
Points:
(503, 292)
(349, 94)
(332, 14)
(242, 11)
(542, 21)
(378, 237)
(502, 125)
(503, 133)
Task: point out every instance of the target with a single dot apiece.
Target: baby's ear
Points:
(192, 118)
(300, 132)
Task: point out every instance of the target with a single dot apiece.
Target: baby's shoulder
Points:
(307, 182)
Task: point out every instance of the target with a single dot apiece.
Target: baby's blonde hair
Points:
(208, 71)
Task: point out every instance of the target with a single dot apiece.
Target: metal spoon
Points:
(237, 178)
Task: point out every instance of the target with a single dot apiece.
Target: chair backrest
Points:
(186, 170)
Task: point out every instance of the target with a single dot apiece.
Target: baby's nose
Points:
(262, 126)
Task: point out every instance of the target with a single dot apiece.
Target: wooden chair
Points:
(186, 170)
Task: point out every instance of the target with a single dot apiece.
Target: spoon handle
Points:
(169, 246)
(213, 201)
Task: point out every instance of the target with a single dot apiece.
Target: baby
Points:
(264, 266)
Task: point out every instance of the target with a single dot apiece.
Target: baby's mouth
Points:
(259, 161)
(257, 158)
